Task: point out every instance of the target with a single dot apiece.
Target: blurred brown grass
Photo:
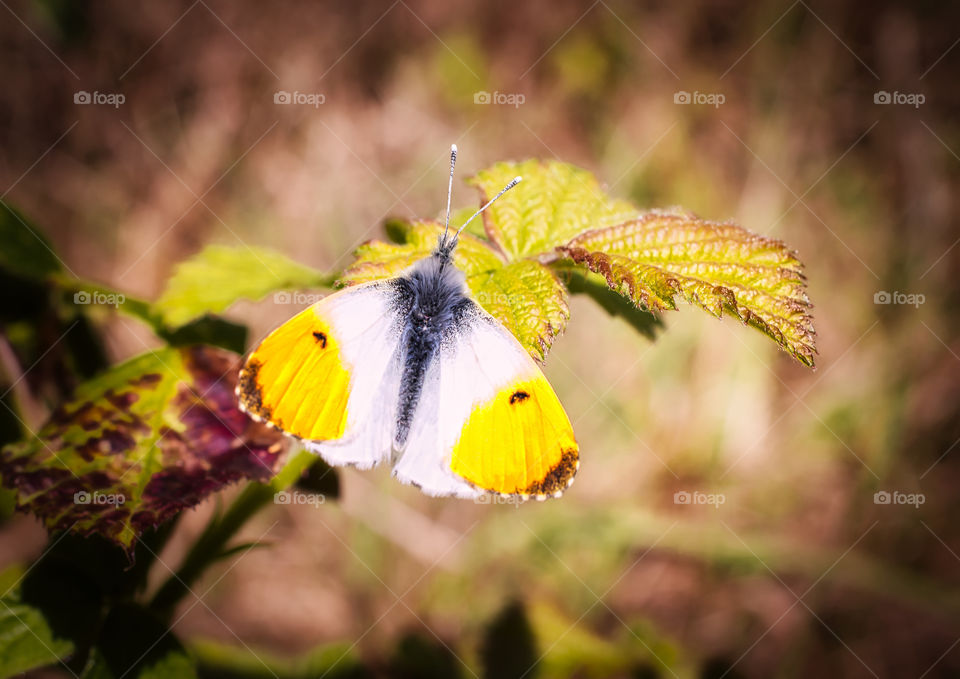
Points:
(200, 153)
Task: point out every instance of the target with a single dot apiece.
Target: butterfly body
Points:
(433, 299)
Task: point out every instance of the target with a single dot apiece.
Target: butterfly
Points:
(412, 371)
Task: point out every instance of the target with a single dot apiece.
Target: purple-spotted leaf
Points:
(524, 295)
(554, 202)
(718, 267)
(140, 443)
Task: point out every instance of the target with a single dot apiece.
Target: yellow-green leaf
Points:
(718, 267)
(376, 259)
(523, 295)
(554, 202)
(527, 298)
(216, 277)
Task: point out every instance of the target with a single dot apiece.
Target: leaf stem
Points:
(220, 530)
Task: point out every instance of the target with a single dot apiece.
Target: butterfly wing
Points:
(327, 375)
(488, 419)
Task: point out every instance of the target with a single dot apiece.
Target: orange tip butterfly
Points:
(412, 371)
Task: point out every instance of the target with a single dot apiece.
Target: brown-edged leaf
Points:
(718, 267)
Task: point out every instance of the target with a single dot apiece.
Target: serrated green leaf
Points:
(718, 267)
(554, 202)
(140, 443)
(218, 276)
(648, 258)
(26, 640)
(523, 295)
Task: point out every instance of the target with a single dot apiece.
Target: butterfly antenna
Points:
(453, 162)
(513, 182)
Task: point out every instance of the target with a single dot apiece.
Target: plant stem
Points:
(221, 529)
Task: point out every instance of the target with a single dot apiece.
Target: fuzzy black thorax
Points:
(434, 295)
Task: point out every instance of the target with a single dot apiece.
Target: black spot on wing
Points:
(518, 397)
(321, 339)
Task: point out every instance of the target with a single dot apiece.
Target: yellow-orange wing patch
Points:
(520, 442)
(297, 379)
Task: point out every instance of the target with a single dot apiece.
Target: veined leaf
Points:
(528, 299)
(718, 267)
(648, 258)
(524, 295)
(554, 202)
(136, 445)
(218, 276)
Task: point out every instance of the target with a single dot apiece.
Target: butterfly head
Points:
(447, 243)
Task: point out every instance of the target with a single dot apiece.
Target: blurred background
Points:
(819, 541)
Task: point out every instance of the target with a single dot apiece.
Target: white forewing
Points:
(368, 326)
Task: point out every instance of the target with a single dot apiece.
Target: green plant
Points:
(135, 444)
